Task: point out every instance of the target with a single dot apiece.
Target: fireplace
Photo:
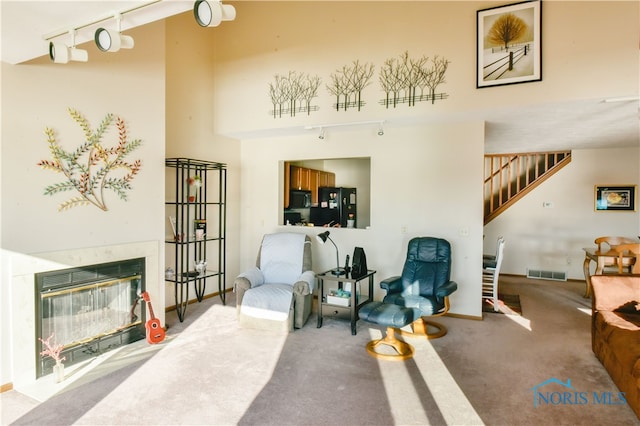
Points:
(89, 309)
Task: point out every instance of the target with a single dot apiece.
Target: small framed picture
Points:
(509, 44)
(615, 198)
(200, 229)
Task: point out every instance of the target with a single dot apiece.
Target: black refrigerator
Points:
(335, 206)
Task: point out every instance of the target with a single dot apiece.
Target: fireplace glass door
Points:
(97, 311)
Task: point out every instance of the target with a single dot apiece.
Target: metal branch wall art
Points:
(401, 79)
(347, 84)
(88, 169)
(404, 80)
(293, 93)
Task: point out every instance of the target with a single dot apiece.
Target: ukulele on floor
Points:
(155, 332)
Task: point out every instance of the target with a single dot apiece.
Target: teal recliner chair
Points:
(421, 291)
(424, 286)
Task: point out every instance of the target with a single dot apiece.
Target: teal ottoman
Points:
(392, 317)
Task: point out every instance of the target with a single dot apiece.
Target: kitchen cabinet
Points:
(287, 183)
(305, 179)
(300, 178)
(314, 182)
(327, 179)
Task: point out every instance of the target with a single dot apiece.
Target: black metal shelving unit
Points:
(190, 204)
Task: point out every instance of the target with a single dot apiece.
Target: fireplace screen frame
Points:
(91, 281)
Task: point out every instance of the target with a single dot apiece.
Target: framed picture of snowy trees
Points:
(509, 44)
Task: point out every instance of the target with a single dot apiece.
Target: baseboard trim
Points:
(463, 316)
(206, 296)
(6, 387)
(524, 276)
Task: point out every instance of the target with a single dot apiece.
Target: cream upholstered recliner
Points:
(277, 293)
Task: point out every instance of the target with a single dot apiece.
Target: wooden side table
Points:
(355, 301)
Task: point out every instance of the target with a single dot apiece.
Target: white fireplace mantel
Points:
(22, 344)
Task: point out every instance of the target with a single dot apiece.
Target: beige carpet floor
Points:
(209, 371)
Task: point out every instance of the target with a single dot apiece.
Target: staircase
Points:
(509, 177)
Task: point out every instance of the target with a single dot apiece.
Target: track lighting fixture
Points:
(210, 13)
(112, 41)
(324, 127)
(60, 53)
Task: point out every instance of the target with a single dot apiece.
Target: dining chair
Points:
(634, 265)
(609, 243)
(489, 260)
(490, 276)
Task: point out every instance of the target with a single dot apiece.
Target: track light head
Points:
(228, 12)
(61, 54)
(380, 130)
(112, 41)
(321, 135)
(210, 13)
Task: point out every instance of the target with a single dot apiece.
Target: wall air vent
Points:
(546, 275)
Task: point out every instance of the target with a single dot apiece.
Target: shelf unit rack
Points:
(206, 204)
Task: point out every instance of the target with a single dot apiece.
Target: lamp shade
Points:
(207, 13)
(60, 53)
(210, 13)
(322, 237)
(112, 41)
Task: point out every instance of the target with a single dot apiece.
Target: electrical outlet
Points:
(464, 231)
(403, 229)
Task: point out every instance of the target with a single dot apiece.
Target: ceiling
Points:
(26, 24)
(578, 124)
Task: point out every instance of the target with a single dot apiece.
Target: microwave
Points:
(299, 199)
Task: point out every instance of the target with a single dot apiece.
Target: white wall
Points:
(216, 95)
(356, 174)
(191, 128)
(552, 238)
(413, 186)
(318, 38)
(35, 95)
(270, 38)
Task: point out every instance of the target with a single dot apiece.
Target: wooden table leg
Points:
(587, 276)
(600, 265)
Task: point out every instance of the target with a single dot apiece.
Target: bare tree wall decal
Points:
(403, 79)
(293, 93)
(348, 83)
(400, 78)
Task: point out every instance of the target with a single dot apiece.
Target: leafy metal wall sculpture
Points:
(88, 169)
